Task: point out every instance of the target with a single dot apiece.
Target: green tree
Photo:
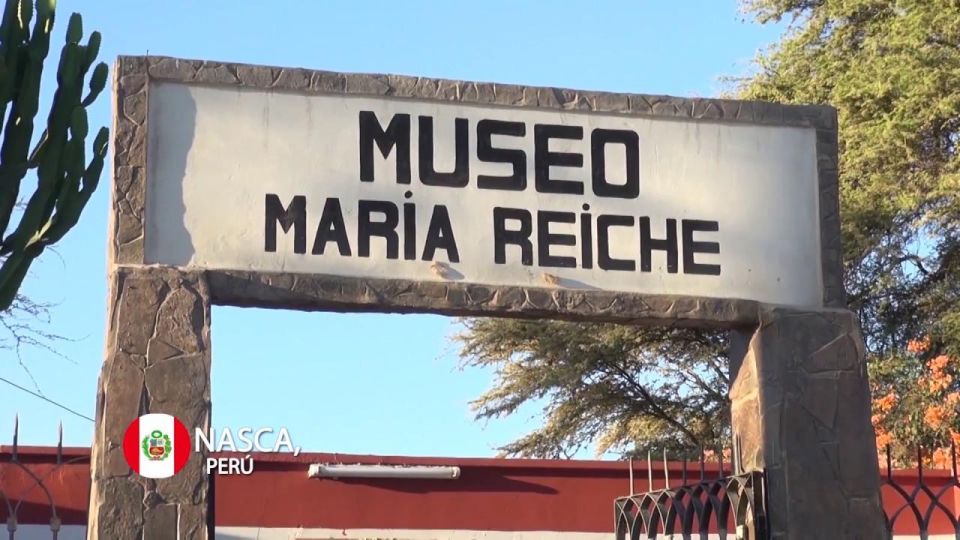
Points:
(628, 389)
(64, 180)
(892, 69)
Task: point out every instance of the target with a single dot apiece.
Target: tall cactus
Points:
(65, 180)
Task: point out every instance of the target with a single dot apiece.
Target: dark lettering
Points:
(487, 153)
(543, 158)
(440, 236)
(648, 244)
(331, 228)
(519, 237)
(409, 231)
(692, 247)
(586, 239)
(598, 162)
(461, 171)
(386, 229)
(294, 215)
(396, 135)
(604, 260)
(545, 239)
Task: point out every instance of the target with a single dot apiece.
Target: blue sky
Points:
(381, 384)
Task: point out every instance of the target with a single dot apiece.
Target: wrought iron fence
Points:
(924, 504)
(725, 506)
(20, 493)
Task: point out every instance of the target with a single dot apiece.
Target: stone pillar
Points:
(801, 411)
(157, 361)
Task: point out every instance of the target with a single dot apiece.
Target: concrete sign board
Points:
(402, 194)
(264, 180)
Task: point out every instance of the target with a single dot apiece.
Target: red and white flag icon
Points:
(156, 445)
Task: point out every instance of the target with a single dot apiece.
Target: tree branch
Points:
(657, 410)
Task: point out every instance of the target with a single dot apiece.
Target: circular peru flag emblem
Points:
(156, 445)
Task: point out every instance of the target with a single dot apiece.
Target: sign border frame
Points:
(317, 292)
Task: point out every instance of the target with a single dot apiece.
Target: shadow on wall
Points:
(172, 120)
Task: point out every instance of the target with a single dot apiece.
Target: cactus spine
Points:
(65, 180)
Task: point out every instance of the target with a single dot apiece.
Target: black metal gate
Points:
(719, 506)
(13, 503)
(922, 503)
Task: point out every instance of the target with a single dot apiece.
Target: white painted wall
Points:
(215, 152)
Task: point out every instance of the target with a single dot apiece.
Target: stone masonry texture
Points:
(801, 413)
(157, 361)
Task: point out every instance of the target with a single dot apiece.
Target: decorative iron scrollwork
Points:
(725, 507)
(12, 502)
(924, 501)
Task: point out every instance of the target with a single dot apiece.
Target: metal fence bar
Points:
(921, 501)
(734, 506)
(731, 506)
(14, 501)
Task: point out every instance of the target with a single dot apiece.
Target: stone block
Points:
(801, 411)
(160, 522)
(157, 361)
(255, 76)
(115, 510)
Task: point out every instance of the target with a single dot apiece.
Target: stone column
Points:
(801, 410)
(157, 361)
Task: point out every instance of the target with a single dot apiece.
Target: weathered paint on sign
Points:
(380, 187)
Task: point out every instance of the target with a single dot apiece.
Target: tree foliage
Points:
(916, 399)
(602, 383)
(892, 69)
